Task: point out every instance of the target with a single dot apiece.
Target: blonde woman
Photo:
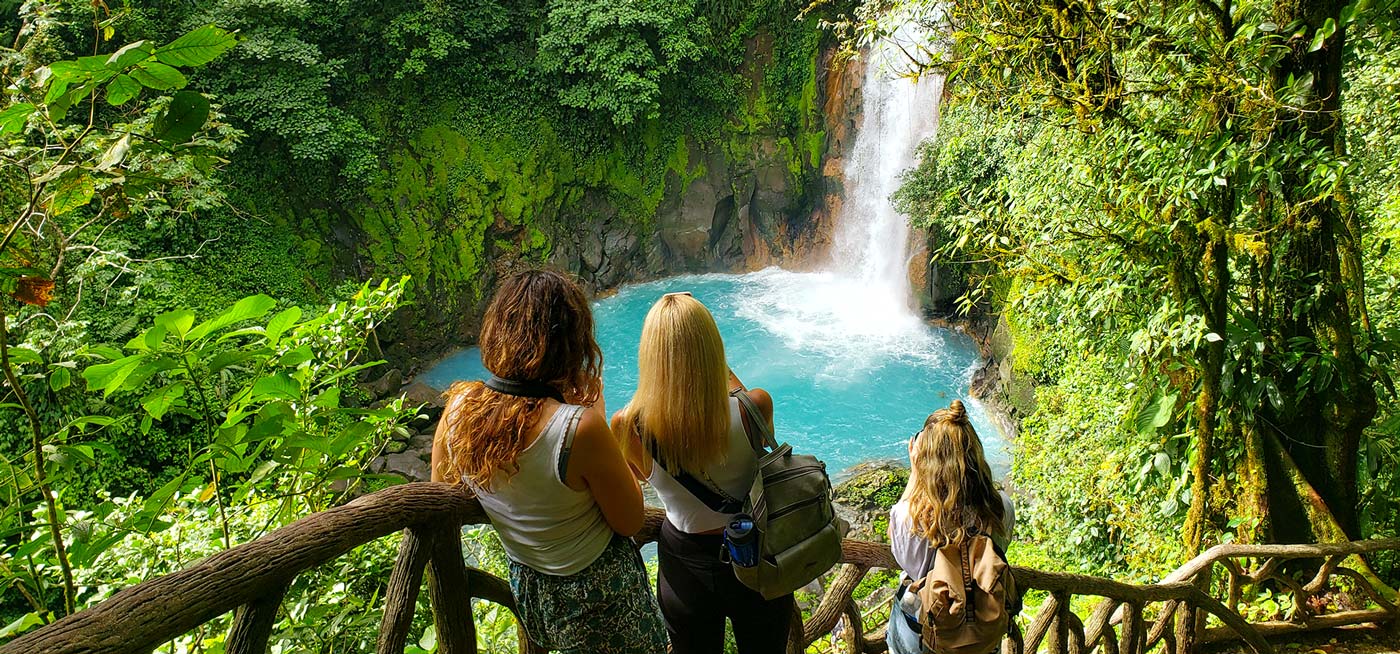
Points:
(683, 421)
(950, 496)
(533, 445)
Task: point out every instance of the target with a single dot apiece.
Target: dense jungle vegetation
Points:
(1184, 213)
(198, 192)
(1187, 215)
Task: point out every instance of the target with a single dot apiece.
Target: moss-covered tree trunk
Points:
(1320, 427)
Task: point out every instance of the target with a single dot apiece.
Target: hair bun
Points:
(957, 412)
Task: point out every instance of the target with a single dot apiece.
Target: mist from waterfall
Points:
(871, 242)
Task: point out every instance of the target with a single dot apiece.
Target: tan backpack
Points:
(966, 599)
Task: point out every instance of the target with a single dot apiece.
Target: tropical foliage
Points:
(1193, 194)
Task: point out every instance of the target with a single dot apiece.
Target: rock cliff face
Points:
(461, 206)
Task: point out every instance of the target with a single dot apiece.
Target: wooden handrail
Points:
(138, 618)
(250, 580)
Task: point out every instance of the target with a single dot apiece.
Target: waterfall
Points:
(872, 239)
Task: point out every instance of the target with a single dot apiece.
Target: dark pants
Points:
(697, 591)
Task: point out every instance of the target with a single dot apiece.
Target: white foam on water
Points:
(855, 325)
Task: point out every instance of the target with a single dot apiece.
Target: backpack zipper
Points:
(795, 507)
(790, 473)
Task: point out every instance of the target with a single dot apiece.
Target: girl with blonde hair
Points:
(950, 497)
(685, 425)
(532, 444)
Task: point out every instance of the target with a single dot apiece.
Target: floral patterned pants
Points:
(607, 608)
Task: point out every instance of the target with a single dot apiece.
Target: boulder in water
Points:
(865, 497)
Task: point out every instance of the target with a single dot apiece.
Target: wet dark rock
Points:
(386, 385)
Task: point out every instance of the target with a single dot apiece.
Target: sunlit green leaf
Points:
(129, 54)
(14, 117)
(71, 193)
(197, 48)
(248, 308)
(159, 76)
(159, 401)
(177, 322)
(281, 322)
(279, 386)
(122, 89)
(59, 378)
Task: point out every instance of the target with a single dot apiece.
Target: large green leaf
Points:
(122, 89)
(59, 378)
(281, 322)
(71, 193)
(197, 48)
(14, 117)
(177, 322)
(248, 308)
(159, 401)
(21, 624)
(108, 377)
(159, 76)
(1154, 413)
(129, 54)
(187, 114)
(279, 386)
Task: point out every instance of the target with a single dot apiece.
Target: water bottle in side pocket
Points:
(741, 541)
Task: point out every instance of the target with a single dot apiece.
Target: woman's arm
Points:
(764, 403)
(596, 464)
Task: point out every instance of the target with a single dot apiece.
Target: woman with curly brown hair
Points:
(532, 443)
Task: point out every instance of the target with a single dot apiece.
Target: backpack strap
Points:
(754, 422)
(710, 497)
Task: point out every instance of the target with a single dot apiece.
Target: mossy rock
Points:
(865, 497)
(873, 486)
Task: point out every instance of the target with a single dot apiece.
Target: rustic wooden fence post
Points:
(1131, 642)
(252, 624)
(1189, 619)
(449, 591)
(401, 598)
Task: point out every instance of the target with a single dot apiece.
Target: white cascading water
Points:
(858, 312)
(872, 238)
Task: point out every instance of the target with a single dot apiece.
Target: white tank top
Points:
(542, 522)
(734, 475)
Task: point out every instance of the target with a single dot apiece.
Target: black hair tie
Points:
(522, 388)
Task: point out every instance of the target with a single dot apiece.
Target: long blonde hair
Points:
(950, 488)
(681, 407)
(538, 328)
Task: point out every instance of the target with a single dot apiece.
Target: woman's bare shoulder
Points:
(762, 400)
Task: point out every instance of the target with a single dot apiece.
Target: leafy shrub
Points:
(611, 57)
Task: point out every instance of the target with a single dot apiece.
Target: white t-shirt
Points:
(912, 550)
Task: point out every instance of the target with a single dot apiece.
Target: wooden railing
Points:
(251, 579)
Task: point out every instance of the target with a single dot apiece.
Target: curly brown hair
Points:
(538, 327)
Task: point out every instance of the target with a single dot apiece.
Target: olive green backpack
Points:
(799, 534)
(790, 502)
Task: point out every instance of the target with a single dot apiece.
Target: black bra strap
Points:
(521, 388)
